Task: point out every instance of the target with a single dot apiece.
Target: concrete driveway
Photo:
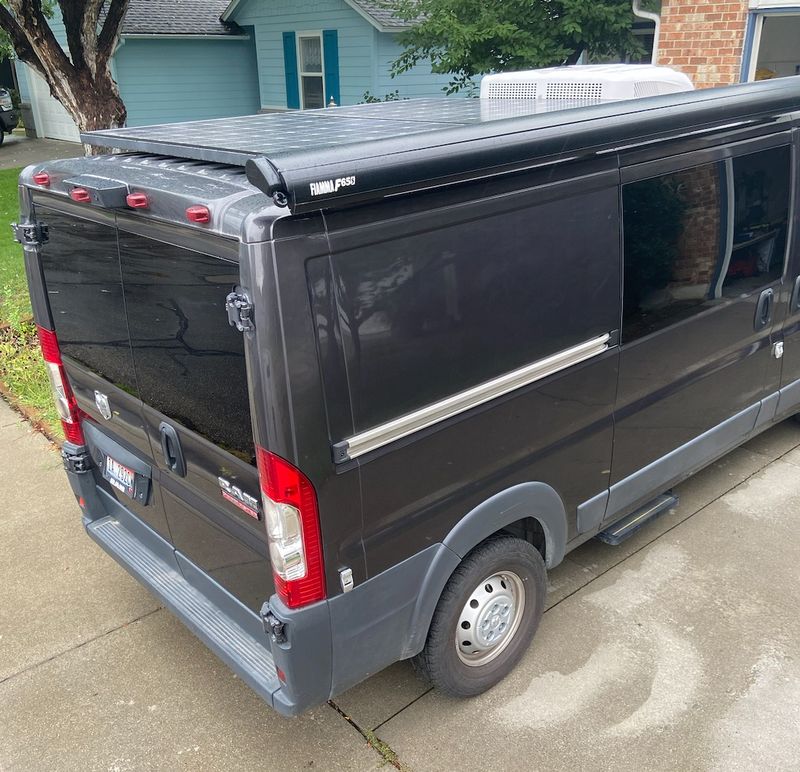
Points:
(677, 650)
(20, 151)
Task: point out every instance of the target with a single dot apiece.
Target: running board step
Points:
(204, 611)
(623, 529)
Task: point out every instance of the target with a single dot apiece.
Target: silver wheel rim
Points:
(490, 618)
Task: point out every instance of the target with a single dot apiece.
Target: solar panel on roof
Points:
(340, 156)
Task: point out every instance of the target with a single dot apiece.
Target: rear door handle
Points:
(171, 448)
(764, 310)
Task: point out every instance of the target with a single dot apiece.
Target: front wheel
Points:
(485, 618)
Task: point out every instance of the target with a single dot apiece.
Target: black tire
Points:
(2, 135)
(440, 661)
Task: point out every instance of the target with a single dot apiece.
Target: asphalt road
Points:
(677, 650)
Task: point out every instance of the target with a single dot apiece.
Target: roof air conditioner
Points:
(592, 82)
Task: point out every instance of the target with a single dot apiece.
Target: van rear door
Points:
(192, 377)
(80, 262)
(139, 310)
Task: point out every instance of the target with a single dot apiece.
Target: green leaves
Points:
(472, 37)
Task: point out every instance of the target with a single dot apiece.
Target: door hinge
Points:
(273, 626)
(239, 308)
(76, 462)
(31, 234)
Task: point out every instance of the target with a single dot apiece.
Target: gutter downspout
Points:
(656, 19)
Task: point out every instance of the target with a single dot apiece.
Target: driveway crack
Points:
(80, 645)
(379, 746)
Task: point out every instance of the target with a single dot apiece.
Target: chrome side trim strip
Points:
(381, 435)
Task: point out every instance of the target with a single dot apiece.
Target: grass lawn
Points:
(22, 374)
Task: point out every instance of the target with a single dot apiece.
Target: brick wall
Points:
(699, 245)
(703, 40)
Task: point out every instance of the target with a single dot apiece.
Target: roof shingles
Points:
(176, 17)
(382, 13)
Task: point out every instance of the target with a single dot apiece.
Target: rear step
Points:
(623, 529)
(209, 614)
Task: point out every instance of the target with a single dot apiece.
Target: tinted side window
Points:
(189, 361)
(760, 220)
(697, 236)
(84, 287)
(432, 314)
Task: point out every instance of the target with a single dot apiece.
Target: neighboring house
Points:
(312, 51)
(176, 61)
(719, 43)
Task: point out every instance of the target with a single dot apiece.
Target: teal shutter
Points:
(290, 68)
(330, 52)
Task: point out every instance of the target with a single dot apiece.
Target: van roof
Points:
(338, 156)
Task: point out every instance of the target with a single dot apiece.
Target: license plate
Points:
(120, 476)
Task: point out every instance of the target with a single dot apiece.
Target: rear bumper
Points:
(326, 647)
(230, 629)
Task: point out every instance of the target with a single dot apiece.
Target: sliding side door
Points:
(705, 237)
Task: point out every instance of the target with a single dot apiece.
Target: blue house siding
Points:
(419, 82)
(186, 79)
(365, 53)
(356, 41)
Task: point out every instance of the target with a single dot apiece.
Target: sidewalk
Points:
(676, 650)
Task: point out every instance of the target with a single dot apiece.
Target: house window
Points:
(312, 77)
(772, 49)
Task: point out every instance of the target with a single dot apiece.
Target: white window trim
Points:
(761, 5)
(301, 73)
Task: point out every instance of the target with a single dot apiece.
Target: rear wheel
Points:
(486, 617)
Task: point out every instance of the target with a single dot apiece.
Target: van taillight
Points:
(292, 518)
(62, 392)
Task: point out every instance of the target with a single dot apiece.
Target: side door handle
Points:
(764, 310)
(171, 448)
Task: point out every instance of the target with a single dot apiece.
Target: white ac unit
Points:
(585, 82)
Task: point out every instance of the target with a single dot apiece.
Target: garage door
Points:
(52, 120)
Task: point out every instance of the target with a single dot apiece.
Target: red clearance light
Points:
(80, 194)
(137, 201)
(198, 214)
(292, 519)
(42, 178)
(63, 396)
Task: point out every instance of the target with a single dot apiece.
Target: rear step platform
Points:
(230, 630)
(623, 529)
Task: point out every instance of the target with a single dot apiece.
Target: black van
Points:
(339, 386)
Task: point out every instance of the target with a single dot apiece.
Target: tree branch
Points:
(109, 35)
(31, 19)
(19, 40)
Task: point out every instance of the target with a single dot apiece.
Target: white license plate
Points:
(120, 476)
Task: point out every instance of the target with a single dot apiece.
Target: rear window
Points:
(190, 362)
(84, 287)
